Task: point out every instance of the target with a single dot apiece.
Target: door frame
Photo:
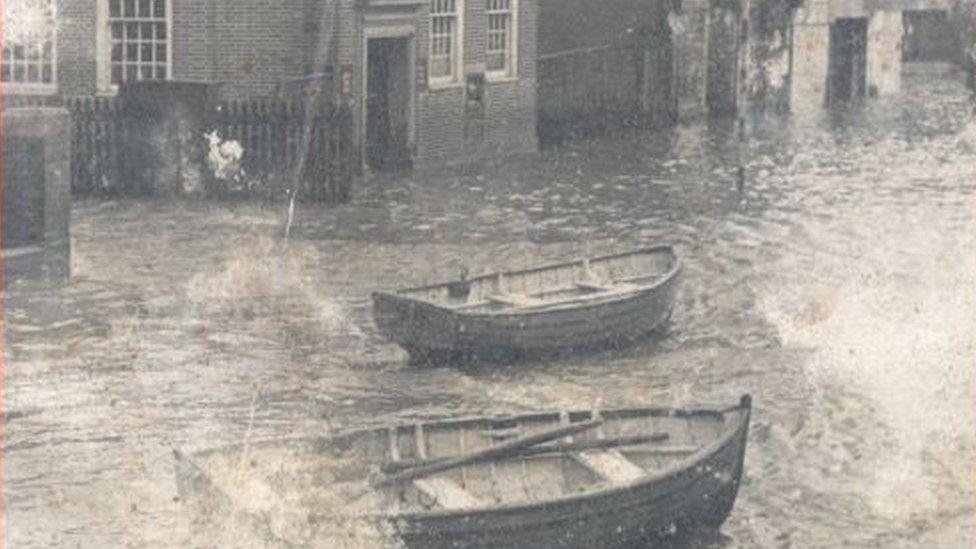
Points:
(375, 31)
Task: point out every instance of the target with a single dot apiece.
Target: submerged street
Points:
(837, 287)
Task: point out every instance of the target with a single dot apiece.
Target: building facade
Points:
(429, 81)
(804, 54)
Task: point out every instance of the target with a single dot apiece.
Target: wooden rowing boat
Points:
(586, 303)
(578, 479)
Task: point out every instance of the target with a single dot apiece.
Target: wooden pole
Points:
(606, 443)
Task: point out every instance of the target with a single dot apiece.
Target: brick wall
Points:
(249, 46)
(38, 202)
(447, 129)
(255, 48)
(76, 47)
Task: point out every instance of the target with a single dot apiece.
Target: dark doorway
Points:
(929, 37)
(847, 74)
(723, 30)
(388, 104)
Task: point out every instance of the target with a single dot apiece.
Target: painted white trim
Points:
(38, 88)
(456, 79)
(511, 71)
(372, 30)
(103, 48)
(27, 88)
(170, 42)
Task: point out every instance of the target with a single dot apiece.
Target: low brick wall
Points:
(36, 197)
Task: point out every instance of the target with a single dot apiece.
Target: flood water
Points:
(837, 288)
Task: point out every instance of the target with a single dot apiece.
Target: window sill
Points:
(446, 85)
(29, 89)
(500, 78)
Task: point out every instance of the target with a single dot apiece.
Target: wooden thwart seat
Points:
(594, 286)
(605, 287)
(513, 300)
(610, 465)
(672, 450)
(447, 493)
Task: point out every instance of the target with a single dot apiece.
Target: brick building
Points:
(429, 80)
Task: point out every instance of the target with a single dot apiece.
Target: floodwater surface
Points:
(836, 286)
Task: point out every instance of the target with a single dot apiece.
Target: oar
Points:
(616, 442)
(494, 452)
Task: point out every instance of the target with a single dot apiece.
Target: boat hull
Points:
(429, 332)
(683, 480)
(697, 498)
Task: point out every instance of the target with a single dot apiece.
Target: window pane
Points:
(440, 66)
(47, 74)
(139, 46)
(496, 61)
(18, 73)
(5, 72)
(500, 23)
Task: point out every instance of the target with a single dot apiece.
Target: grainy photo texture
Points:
(488, 274)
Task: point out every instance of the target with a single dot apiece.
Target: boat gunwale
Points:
(650, 411)
(595, 299)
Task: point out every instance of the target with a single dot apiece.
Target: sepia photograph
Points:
(488, 274)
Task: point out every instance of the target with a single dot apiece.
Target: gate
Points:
(587, 90)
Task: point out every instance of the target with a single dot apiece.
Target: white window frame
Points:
(104, 41)
(454, 79)
(34, 88)
(510, 72)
